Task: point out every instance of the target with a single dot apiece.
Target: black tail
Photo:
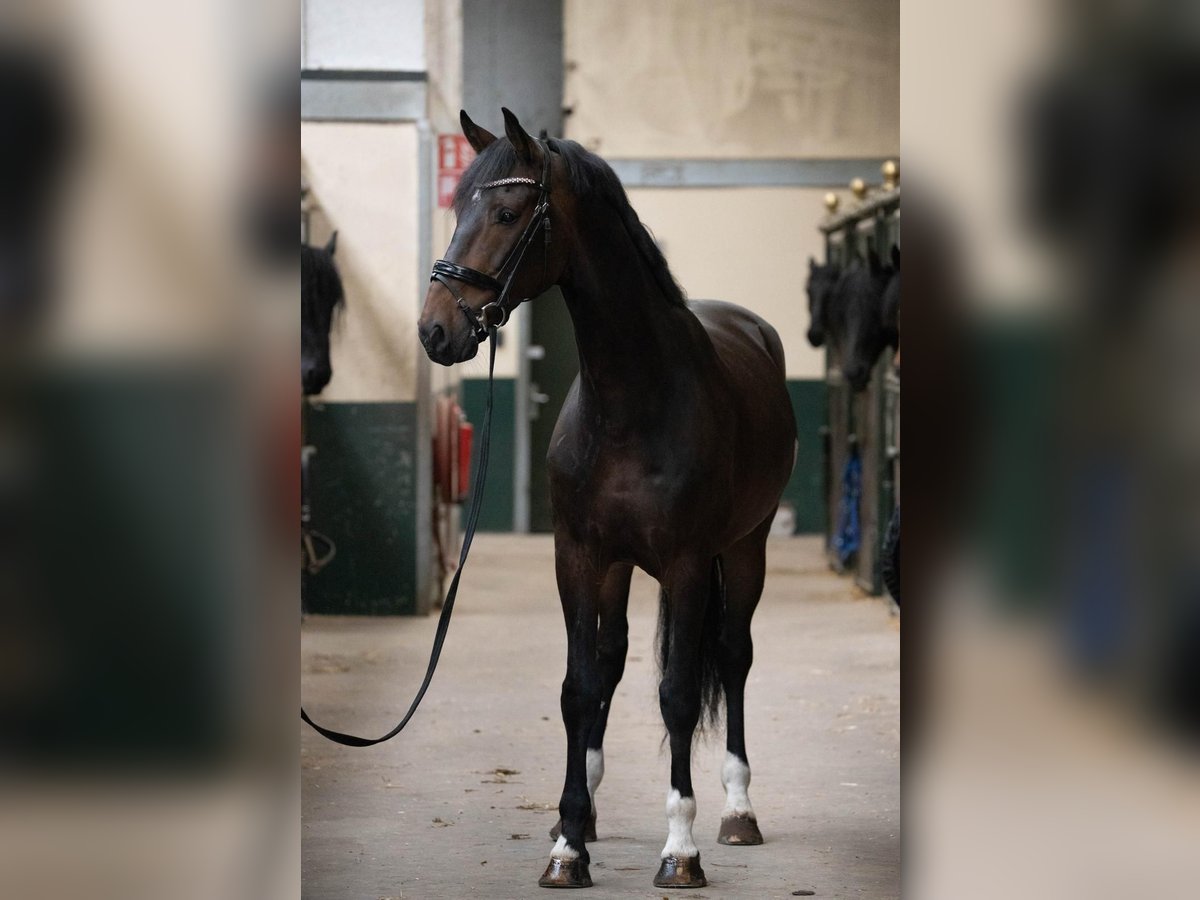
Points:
(712, 692)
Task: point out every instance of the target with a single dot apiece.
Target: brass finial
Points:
(891, 174)
(831, 202)
(859, 188)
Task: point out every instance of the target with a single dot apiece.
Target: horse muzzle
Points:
(314, 376)
(447, 346)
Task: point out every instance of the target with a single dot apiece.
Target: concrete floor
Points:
(459, 804)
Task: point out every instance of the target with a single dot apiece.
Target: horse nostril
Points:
(434, 338)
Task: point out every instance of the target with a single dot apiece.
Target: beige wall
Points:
(734, 78)
(443, 55)
(748, 245)
(748, 79)
(364, 179)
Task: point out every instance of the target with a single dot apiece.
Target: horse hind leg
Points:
(744, 570)
(611, 648)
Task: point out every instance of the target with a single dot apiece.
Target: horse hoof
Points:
(589, 830)
(740, 830)
(680, 872)
(566, 873)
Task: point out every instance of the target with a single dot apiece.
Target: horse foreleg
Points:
(611, 650)
(686, 597)
(579, 585)
(744, 567)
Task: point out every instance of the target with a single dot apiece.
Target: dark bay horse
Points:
(858, 317)
(321, 296)
(670, 454)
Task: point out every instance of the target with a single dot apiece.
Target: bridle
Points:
(496, 313)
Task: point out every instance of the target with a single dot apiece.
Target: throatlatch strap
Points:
(443, 626)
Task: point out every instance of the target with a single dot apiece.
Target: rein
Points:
(350, 740)
(485, 324)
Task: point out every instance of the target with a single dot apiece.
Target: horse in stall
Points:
(857, 320)
(671, 452)
(321, 297)
(822, 283)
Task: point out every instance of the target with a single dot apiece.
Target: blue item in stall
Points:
(848, 534)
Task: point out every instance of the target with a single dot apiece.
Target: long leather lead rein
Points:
(485, 323)
(443, 627)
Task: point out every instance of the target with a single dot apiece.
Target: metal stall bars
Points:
(867, 422)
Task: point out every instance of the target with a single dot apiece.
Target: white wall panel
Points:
(364, 34)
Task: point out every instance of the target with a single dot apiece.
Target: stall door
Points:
(553, 365)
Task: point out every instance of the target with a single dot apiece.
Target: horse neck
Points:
(630, 337)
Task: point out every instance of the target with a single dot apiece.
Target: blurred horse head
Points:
(822, 281)
(320, 298)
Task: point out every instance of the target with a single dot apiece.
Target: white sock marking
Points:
(735, 775)
(681, 813)
(562, 850)
(595, 773)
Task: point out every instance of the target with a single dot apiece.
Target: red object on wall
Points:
(454, 155)
(453, 437)
(466, 437)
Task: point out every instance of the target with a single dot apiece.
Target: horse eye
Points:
(507, 216)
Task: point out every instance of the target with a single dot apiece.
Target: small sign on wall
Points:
(454, 155)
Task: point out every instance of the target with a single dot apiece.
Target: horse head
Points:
(320, 297)
(822, 280)
(502, 251)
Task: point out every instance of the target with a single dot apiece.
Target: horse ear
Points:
(331, 244)
(812, 264)
(477, 137)
(896, 257)
(521, 140)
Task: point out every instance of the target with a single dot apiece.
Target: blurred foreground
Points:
(148, 436)
(1052, 404)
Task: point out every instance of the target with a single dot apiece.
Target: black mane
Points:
(589, 177)
(320, 284)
